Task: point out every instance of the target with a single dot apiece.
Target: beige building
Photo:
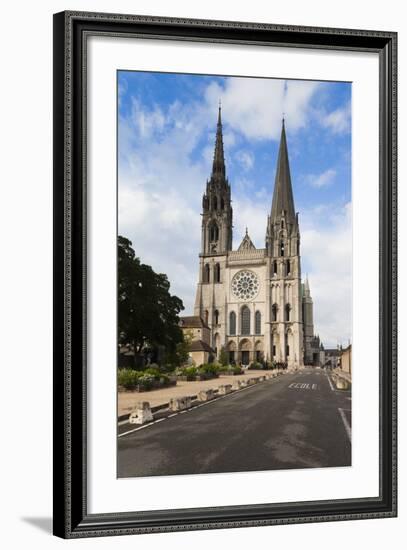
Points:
(346, 359)
(199, 332)
(252, 299)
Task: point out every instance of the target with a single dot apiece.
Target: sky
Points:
(166, 137)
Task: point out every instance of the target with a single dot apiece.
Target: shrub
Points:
(236, 369)
(128, 378)
(190, 373)
(153, 371)
(180, 371)
(223, 357)
(164, 380)
(255, 366)
(210, 368)
(167, 369)
(223, 368)
(146, 381)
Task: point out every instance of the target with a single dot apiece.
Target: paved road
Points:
(295, 421)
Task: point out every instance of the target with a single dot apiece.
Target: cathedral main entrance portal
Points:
(245, 357)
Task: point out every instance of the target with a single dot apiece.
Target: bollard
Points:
(236, 385)
(226, 388)
(179, 403)
(205, 395)
(141, 413)
(341, 383)
(262, 378)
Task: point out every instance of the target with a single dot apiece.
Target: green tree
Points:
(223, 357)
(182, 349)
(147, 312)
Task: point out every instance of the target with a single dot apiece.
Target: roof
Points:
(246, 243)
(283, 200)
(192, 321)
(333, 351)
(199, 345)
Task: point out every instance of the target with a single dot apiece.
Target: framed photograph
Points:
(225, 282)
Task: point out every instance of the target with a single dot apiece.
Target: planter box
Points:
(155, 386)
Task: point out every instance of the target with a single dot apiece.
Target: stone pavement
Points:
(127, 400)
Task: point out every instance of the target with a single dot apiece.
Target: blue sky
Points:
(167, 126)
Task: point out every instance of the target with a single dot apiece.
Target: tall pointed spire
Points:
(283, 199)
(218, 167)
(306, 287)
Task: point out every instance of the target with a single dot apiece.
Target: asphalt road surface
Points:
(295, 421)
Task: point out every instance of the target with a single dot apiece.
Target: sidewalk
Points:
(127, 400)
(343, 374)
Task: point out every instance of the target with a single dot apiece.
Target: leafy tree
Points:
(147, 312)
(223, 357)
(181, 355)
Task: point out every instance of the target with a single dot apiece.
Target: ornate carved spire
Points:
(218, 167)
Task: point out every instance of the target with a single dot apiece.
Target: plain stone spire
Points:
(283, 200)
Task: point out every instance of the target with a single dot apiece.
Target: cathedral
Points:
(253, 299)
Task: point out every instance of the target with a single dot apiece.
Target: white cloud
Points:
(322, 180)
(245, 159)
(326, 251)
(339, 121)
(255, 107)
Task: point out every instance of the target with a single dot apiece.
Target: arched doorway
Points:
(258, 352)
(245, 349)
(232, 352)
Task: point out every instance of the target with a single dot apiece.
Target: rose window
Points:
(245, 285)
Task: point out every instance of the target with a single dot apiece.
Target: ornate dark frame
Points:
(71, 30)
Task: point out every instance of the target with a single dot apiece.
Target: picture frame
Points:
(71, 32)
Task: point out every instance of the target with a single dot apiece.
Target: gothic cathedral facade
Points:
(253, 299)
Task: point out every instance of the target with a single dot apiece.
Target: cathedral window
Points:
(274, 267)
(206, 273)
(245, 320)
(282, 248)
(274, 311)
(222, 204)
(206, 316)
(274, 350)
(232, 323)
(216, 317)
(288, 267)
(217, 273)
(298, 248)
(257, 323)
(287, 312)
(282, 224)
(214, 232)
(287, 350)
(215, 203)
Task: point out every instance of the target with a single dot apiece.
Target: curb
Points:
(194, 398)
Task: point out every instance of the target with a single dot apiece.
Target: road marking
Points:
(346, 424)
(300, 386)
(330, 383)
(135, 429)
